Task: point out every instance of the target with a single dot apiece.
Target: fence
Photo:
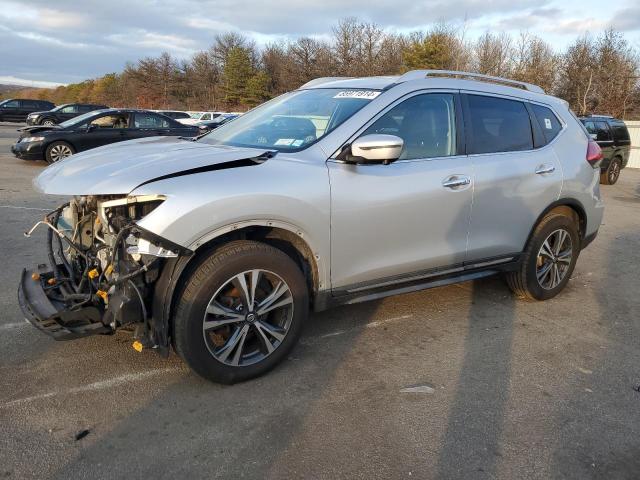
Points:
(634, 132)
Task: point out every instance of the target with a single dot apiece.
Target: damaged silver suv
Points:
(342, 191)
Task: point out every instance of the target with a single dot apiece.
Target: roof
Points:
(383, 83)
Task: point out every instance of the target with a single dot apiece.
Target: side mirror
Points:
(376, 148)
(89, 128)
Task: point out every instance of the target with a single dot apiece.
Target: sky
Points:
(44, 43)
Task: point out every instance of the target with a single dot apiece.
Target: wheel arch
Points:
(282, 236)
(569, 206)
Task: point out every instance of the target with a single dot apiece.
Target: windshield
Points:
(78, 120)
(59, 107)
(292, 121)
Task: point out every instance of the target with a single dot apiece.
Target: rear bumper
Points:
(50, 316)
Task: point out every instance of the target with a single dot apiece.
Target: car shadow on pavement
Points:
(470, 447)
(218, 431)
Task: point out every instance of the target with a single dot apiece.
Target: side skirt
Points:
(357, 294)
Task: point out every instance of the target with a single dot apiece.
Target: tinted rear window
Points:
(498, 125)
(548, 121)
(620, 131)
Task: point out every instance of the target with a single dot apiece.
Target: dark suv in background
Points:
(61, 113)
(17, 109)
(613, 137)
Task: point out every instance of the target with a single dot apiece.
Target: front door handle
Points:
(542, 169)
(456, 181)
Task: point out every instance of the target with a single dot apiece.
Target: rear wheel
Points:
(58, 151)
(548, 260)
(612, 173)
(241, 312)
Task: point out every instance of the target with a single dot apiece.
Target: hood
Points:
(35, 114)
(121, 167)
(39, 128)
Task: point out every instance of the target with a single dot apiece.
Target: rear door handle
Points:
(542, 169)
(456, 181)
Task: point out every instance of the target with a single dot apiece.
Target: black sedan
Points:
(208, 125)
(61, 113)
(94, 129)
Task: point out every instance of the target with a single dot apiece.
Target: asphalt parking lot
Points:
(463, 381)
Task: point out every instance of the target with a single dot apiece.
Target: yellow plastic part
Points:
(102, 294)
(35, 276)
(137, 346)
(51, 281)
(108, 270)
(93, 273)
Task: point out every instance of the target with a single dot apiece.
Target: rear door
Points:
(27, 107)
(599, 131)
(517, 174)
(149, 124)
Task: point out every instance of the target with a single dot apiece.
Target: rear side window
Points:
(548, 121)
(598, 130)
(148, 120)
(30, 104)
(498, 125)
(620, 132)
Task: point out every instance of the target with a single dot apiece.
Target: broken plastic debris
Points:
(81, 434)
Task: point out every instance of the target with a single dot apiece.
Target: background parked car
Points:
(17, 109)
(208, 125)
(196, 117)
(94, 129)
(175, 114)
(613, 137)
(61, 113)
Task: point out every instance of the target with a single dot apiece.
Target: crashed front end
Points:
(101, 272)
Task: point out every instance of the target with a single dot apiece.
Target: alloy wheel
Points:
(248, 318)
(554, 259)
(614, 172)
(48, 123)
(58, 152)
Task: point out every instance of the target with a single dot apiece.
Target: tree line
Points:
(595, 74)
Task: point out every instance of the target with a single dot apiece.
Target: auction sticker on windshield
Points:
(366, 94)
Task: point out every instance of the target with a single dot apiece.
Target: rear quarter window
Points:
(620, 132)
(548, 121)
(498, 125)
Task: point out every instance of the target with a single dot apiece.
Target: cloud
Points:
(9, 80)
(70, 40)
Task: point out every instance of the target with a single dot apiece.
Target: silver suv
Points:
(342, 191)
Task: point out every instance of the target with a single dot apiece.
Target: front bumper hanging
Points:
(51, 317)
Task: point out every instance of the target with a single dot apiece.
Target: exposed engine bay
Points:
(101, 269)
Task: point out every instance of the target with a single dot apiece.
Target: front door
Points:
(103, 130)
(409, 218)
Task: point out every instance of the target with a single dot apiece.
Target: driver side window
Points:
(111, 121)
(425, 122)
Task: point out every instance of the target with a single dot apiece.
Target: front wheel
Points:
(241, 312)
(58, 151)
(48, 122)
(548, 260)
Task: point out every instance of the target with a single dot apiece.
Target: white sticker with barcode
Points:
(364, 94)
(284, 141)
(547, 124)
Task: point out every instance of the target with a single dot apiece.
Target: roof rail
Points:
(421, 74)
(321, 80)
(600, 116)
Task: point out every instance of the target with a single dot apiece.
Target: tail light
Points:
(594, 154)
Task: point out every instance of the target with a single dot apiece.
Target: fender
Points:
(173, 269)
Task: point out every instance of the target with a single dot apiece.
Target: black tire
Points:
(50, 150)
(50, 121)
(207, 278)
(611, 175)
(524, 282)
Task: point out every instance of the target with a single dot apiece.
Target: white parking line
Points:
(10, 326)
(375, 324)
(101, 385)
(26, 208)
